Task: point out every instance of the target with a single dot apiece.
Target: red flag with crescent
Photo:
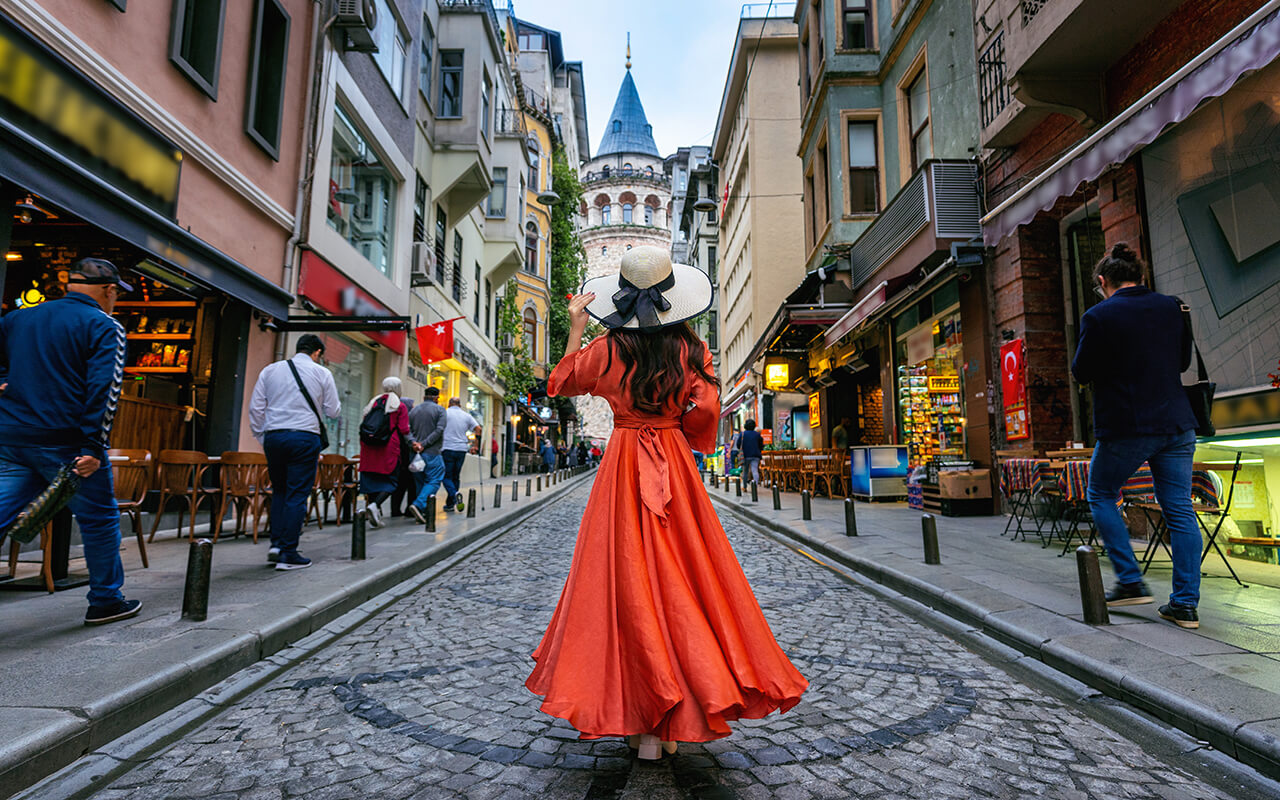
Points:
(435, 341)
(1013, 372)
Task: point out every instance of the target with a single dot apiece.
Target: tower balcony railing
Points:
(624, 174)
(768, 10)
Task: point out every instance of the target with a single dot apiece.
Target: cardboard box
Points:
(971, 484)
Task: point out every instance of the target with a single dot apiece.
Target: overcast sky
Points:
(680, 52)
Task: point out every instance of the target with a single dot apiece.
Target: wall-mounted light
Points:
(13, 255)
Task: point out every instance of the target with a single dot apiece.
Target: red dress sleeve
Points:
(578, 372)
(700, 422)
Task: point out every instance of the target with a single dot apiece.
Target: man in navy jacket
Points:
(1133, 348)
(61, 365)
(752, 444)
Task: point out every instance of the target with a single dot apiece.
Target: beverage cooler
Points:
(878, 472)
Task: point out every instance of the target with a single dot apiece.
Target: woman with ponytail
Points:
(657, 636)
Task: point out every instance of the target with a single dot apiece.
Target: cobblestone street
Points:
(426, 700)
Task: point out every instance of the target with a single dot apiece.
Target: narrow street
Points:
(426, 700)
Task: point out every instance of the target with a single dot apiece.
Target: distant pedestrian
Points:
(562, 456)
(596, 455)
(493, 457)
(426, 429)
(548, 454)
(404, 494)
(458, 425)
(752, 444)
(1133, 348)
(840, 434)
(383, 428)
(60, 376)
(284, 414)
(583, 455)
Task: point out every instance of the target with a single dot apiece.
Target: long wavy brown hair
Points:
(656, 364)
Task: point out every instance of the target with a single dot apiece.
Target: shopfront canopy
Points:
(1251, 45)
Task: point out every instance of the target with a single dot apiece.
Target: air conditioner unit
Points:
(825, 381)
(357, 18)
(421, 270)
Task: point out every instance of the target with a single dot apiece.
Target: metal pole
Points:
(737, 488)
(539, 483)
(528, 487)
(1093, 599)
(471, 504)
(515, 491)
(727, 480)
(431, 514)
(850, 518)
(777, 498)
(195, 594)
(755, 493)
(806, 509)
(357, 537)
(497, 495)
(715, 480)
(929, 527)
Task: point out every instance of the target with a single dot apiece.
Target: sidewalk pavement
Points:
(1220, 683)
(69, 689)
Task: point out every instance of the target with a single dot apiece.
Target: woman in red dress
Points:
(657, 635)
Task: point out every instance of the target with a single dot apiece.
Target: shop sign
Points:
(767, 435)
(1248, 409)
(335, 293)
(1013, 385)
(815, 418)
(466, 355)
(919, 346)
(944, 384)
(777, 376)
(67, 113)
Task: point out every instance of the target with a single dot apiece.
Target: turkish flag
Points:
(435, 342)
(1013, 372)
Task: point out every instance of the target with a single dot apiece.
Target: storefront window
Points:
(352, 366)
(362, 194)
(929, 358)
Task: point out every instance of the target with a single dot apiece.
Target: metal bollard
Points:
(539, 483)
(929, 526)
(727, 481)
(471, 503)
(777, 498)
(850, 518)
(715, 480)
(497, 496)
(738, 488)
(806, 507)
(515, 491)
(755, 493)
(431, 514)
(528, 487)
(1093, 599)
(195, 595)
(357, 537)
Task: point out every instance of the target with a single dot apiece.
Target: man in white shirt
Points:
(457, 424)
(288, 424)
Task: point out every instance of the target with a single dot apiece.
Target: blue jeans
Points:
(453, 460)
(292, 458)
(428, 481)
(26, 471)
(1170, 457)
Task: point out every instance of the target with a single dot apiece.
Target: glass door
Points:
(1083, 246)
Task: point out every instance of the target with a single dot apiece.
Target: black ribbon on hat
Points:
(643, 304)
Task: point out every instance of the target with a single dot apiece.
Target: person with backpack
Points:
(383, 427)
(284, 414)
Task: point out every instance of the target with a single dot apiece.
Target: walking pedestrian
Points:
(405, 492)
(383, 427)
(596, 454)
(752, 451)
(655, 602)
(60, 376)
(458, 424)
(493, 457)
(548, 454)
(583, 455)
(284, 415)
(840, 434)
(426, 428)
(1133, 348)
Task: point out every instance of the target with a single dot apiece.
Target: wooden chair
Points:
(240, 483)
(132, 479)
(330, 485)
(180, 474)
(46, 559)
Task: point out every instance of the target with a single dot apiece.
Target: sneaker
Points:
(418, 515)
(273, 555)
(1182, 616)
(1129, 594)
(122, 609)
(375, 516)
(460, 506)
(292, 561)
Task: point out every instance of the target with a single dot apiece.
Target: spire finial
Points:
(628, 49)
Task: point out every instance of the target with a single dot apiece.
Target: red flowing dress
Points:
(657, 630)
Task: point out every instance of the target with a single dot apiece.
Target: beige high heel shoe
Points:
(650, 747)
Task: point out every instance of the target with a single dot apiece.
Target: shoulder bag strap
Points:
(1201, 373)
(324, 433)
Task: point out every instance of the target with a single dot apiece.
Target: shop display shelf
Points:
(155, 304)
(167, 337)
(157, 370)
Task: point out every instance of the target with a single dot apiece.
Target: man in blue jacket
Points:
(61, 365)
(1133, 348)
(752, 445)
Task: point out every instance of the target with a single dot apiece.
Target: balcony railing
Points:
(993, 86)
(768, 10)
(1029, 10)
(656, 178)
(536, 102)
(509, 122)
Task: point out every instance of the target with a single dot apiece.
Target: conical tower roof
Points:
(628, 130)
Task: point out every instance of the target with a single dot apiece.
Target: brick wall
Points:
(871, 415)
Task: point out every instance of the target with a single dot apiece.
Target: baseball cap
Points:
(97, 271)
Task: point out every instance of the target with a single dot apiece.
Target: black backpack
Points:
(375, 428)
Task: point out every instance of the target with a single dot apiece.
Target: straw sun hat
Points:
(649, 292)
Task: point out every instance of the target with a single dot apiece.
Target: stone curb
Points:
(28, 757)
(1227, 733)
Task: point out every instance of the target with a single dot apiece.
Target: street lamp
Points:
(704, 204)
(548, 198)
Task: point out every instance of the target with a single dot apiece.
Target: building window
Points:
(822, 178)
(857, 24)
(993, 91)
(195, 44)
(648, 215)
(864, 170)
(457, 267)
(535, 167)
(485, 93)
(809, 231)
(362, 194)
(617, 126)
(488, 305)
(628, 247)
(419, 209)
(451, 83)
(711, 264)
(392, 46)
(604, 251)
(604, 214)
(442, 227)
(428, 58)
(264, 109)
(712, 331)
(498, 197)
(475, 315)
(531, 248)
(918, 120)
(531, 333)
(626, 213)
